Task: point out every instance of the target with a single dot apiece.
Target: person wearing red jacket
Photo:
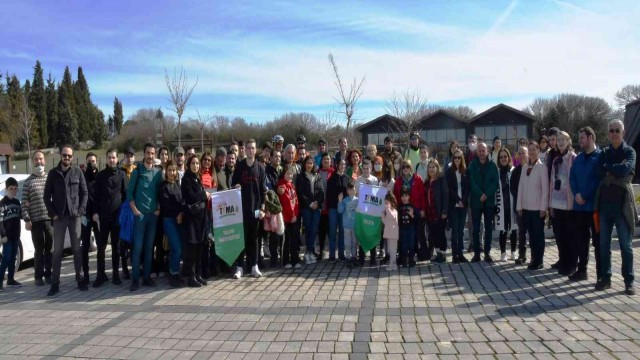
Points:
(413, 183)
(289, 200)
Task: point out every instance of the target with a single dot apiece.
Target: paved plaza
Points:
(327, 311)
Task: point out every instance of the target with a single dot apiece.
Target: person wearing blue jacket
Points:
(347, 208)
(584, 183)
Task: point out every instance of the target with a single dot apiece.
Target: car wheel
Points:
(19, 256)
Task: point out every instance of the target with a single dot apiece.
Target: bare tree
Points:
(180, 92)
(347, 99)
(26, 118)
(627, 94)
(202, 123)
(410, 108)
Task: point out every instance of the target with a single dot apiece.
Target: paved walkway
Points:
(327, 311)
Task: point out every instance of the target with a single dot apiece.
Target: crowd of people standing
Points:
(162, 205)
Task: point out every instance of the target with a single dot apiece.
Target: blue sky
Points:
(259, 60)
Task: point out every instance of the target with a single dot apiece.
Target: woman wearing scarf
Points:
(506, 219)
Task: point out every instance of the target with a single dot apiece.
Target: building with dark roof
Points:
(6, 152)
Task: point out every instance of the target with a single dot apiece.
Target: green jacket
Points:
(484, 180)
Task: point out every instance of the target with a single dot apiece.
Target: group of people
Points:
(315, 198)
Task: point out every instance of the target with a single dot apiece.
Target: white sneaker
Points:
(297, 266)
(255, 271)
(513, 255)
(238, 273)
(288, 266)
(312, 257)
(307, 258)
(503, 256)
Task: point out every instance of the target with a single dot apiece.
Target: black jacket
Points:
(309, 192)
(10, 215)
(65, 194)
(170, 199)
(513, 185)
(273, 176)
(195, 200)
(337, 184)
(90, 179)
(440, 196)
(452, 184)
(110, 191)
(252, 180)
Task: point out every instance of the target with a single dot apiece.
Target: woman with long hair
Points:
(195, 199)
(208, 177)
(412, 183)
(171, 212)
(325, 171)
(311, 195)
(436, 211)
(354, 164)
(506, 222)
(458, 185)
(561, 203)
(448, 161)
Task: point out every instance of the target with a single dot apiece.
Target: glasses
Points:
(615, 130)
(67, 156)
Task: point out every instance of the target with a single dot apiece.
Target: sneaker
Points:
(288, 266)
(603, 285)
(306, 259)
(54, 290)
(13, 282)
(476, 258)
(193, 283)
(462, 259)
(39, 282)
(533, 266)
(201, 280)
(100, 279)
(513, 256)
(148, 282)
(629, 290)
(578, 276)
(134, 285)
(297, 266)
(503, 257)
(440, 258)
(312, 258)
(238, 273)
(521, 261)
(488, 259)
(255, 271)
(82, 286)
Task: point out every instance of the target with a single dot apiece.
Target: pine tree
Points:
(99, 132)
(51, 95)
(34, 131)
(83, 107)
(38, 104)
(118, 117)
(111, 127)
(67, 131)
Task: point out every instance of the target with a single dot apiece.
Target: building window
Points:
(508, 133)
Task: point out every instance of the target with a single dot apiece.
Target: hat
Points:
(179, 150)
(388, 139)
(130, 151)
(322, 141)
(414, 133)
(221, 151)
(301, 139)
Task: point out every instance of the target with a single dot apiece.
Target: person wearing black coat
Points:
(459, 188)
(88, 224)
(436, 210)
(336, 185)
(311, 196)
(515, 182)
(110, 192)
(172, 214)
(195, 200)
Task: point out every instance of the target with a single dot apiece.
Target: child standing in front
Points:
(289, 200)
(391, 234)
(406, 218)
(10, 215)
(347, 207)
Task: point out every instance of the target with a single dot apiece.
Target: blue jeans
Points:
(487, 212)
(311, 220)
(407, 244)
(172, 230)
(335, 226)
(607, 220)
(534, 225)
(457, 219)
(144, 234)
(9, 253)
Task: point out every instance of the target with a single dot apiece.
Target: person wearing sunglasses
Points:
(561, 202)
(616, 206)
(506, 220)
(458, 185)
(483, 176)
(533, 202)
(65, 196)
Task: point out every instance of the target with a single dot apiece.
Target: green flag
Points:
(367, 222)
(228, 230)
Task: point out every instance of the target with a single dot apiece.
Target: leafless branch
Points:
(347, 99)
(180, 91)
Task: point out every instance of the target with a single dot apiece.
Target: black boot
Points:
(55, 289)
(192, 282)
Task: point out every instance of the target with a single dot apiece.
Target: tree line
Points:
(51, 113)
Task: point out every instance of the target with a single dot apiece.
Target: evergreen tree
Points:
(83, 107)
(34, 131)
(14, 91)
(26, 89)
(67, 130)
(118, 117)
(111, 127)
(51, 95)
(99, 132)
(38, 104)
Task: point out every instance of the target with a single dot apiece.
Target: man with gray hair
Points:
(483, 176)
(616, 205)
